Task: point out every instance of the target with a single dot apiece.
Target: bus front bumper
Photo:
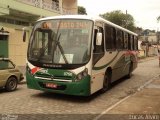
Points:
(79, 88)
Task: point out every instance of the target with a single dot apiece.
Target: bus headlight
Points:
(82, 74)
(85, 72)
(28, 69)
(79, 76)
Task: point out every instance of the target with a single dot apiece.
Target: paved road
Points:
(27, 101)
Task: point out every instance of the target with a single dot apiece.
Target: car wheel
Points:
(11, 84)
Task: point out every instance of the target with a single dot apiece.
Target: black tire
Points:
(106, 83)
(130, 71)
(11, 84)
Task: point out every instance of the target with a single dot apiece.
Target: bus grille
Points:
(54, 78)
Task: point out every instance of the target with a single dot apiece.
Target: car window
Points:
(5, 64)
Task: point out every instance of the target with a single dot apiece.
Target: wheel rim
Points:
(12, 84)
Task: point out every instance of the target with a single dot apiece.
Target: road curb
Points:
(147, 59)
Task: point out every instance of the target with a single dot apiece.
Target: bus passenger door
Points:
(98, 53)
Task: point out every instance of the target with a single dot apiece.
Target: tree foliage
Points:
(158, 18)
(121, 19)
(82, 10)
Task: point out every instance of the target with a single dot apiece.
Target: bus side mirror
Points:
(24, 34)
(99, 39)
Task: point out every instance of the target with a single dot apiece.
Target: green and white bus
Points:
(79, 55)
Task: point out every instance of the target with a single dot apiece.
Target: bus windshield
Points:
(66, 41)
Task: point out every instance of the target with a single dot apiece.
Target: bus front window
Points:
(61, 42)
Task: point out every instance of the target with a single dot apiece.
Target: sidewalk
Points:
(147, 59)
(142, 105)
(145, 101)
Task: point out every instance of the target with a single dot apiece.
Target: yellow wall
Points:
(17, 48)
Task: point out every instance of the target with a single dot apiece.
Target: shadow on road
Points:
(71, 98)
(3, 90)
(77, 99)
(121, 80)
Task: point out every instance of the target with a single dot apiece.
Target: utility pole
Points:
(158, 33)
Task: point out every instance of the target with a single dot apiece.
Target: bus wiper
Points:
(60, 48)
(57, 43)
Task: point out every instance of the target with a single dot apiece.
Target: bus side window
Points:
(129, 42)
(135, 43)
(110, 34)
(108, 37)
(98, 51)
(114, 38)
(119, 40)
(133, 40)
(125, 41)
(132, 45)
(122, 42)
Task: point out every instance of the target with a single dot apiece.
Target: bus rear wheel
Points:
(130, 71)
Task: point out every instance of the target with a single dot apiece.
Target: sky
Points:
(145, 12)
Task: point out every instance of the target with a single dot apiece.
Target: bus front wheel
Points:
(106, 83)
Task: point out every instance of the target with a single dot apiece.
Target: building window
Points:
(3, 37)
(55, 4)
(13, 21)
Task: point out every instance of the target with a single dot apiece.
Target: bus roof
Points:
(87, 17)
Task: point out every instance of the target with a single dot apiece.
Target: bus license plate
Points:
(51, 85)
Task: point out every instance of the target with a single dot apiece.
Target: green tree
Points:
(158, 18)
(82, 10)
(121, 19)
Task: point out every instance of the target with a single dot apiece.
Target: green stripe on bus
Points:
(101, 67)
